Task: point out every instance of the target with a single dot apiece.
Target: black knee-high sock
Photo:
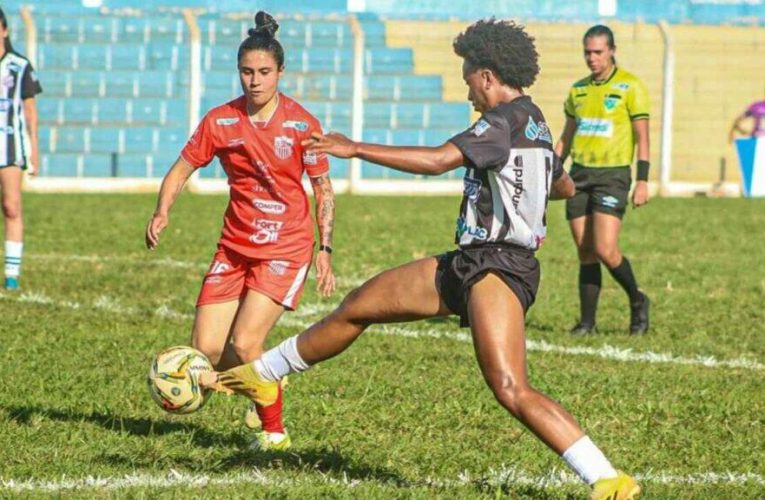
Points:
(624, 276)
(589, 291)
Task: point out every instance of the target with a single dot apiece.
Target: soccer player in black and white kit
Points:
(18, 144)
(491, 280)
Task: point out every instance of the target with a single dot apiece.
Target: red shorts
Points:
(231, 275)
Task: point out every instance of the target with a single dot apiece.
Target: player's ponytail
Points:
(601, 30)
(7, 39)
(261, 37)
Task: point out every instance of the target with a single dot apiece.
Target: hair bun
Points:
(265, 24)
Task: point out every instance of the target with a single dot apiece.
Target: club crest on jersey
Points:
(537, 131)
(480, 127)
(283, 146)
(472, 188)
(278, 267)
(227, 122)
(611, 101)
(297, 125)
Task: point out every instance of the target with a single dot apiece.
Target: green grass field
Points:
(404, 413)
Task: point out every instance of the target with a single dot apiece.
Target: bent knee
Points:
(609, 255)
(510, 393)
(11, 209)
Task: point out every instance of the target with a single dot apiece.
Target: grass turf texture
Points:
(393, 416)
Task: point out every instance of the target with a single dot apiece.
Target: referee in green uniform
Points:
(606, 116)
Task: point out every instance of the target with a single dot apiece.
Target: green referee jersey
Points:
(604, 112)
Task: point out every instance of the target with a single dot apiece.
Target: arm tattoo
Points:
(325, 207)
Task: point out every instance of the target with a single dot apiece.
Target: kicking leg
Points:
(497, 324)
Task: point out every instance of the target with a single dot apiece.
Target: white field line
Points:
(503, 476)
(298, 320)
(165, 262)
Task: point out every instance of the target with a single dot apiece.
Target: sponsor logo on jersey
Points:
(283, 146)
(236, 142)
(278, 267)
(537, 131)
(472, 188)
(609, 201)
(476, 232)
(266, 231)
(269, 206)
(227, 122)
(297, 125)
(621, 86)
(597, 127)
(480, 127)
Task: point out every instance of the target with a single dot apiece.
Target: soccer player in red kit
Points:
(267, 242)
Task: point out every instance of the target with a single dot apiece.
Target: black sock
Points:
(589, 291)
(624, 276)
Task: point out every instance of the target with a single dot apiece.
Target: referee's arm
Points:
(563, 147)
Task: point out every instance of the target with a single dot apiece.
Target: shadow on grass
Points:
(141, 427)
(325, 461)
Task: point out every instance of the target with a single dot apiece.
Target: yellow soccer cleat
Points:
(271, 441)
(244, 380)
(621, 487)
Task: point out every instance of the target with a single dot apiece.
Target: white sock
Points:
(13, 250)
(588, 461)
(280, 361)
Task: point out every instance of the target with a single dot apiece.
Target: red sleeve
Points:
(200, 149)
(313, 163)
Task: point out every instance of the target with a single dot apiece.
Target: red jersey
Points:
(268, 213)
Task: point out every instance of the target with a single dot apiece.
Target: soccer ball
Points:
(174, 379)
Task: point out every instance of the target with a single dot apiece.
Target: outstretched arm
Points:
(412, 159)
(172, 185)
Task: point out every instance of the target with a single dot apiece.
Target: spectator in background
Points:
(755, 113)
(18, 145)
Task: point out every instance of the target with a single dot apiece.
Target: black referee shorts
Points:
(460, 269)
(599, 189)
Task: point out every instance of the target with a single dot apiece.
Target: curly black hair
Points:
(503, 47)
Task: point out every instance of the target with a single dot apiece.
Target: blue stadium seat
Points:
(449, 114)
(61, 29)
(44, 139)
(339, 168)
(403, 88)
(106, 140)
(133, 165)
(70, 140)
(97, 166)
(50, 110)
(79, 111)
(110, 111)
(141, 139)
(386, 60)
(61, 165)
(168, 56)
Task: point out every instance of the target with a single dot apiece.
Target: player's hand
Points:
(334, 144)
(325, 278)
(640, 194)
(157, 223)
(32, 165)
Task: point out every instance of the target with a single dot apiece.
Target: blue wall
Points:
(675, 11)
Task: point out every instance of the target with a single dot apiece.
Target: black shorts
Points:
(604, 190)
(459, 270)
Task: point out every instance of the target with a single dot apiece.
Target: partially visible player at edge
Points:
(266, 244)
(606, 115)
(491, 280)
(18, 145)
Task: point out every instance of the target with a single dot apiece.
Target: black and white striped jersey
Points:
(510, 166)
(18, 81)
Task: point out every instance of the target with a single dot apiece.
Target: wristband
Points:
(642, 169)
(325, 248)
